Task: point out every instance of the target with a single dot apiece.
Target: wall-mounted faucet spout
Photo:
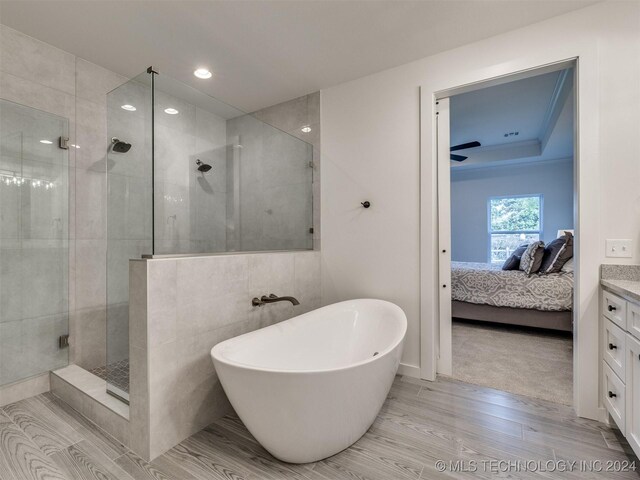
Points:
(258, 302)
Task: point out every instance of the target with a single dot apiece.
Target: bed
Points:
(481, 291)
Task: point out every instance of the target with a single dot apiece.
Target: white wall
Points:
(472, 188)
(371, 149)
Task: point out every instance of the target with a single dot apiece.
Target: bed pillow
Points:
(513, 262)
(532, 258)
(568, 267)
(557, 253)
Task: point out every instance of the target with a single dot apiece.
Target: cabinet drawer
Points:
(633, 319)
(614, 308)
(614, 397)
(614, 347)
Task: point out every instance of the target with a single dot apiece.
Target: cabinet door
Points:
(633, 393)
(633, 319)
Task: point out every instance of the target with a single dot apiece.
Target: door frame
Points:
(586, 276)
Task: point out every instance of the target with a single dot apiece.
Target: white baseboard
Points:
(409, 370)
(603, 415)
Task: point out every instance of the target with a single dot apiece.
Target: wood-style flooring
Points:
(421, 423)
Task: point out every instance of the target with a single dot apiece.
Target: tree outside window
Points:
(513, 221)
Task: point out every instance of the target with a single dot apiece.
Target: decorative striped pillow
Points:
(557, 253)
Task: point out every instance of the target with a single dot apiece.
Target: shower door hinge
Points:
(63, 341)
(310, 229)
(64, 143)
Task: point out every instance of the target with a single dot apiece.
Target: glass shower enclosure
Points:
(188, 174)
(34, 242)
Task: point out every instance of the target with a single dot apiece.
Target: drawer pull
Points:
(612, 346)
(611, 394)
(611, 308)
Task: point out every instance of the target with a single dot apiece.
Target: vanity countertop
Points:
(625, 288)
(622, 279)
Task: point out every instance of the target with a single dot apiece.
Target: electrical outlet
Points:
(622, 248)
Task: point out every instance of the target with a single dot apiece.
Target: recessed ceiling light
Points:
(128, 108)
(171, 111)
(306, 129)
(203, 73)
(46, 142)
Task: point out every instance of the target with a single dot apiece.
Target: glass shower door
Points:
(129, 218)
(34, 242)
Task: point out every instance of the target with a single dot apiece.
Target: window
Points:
(512, 222)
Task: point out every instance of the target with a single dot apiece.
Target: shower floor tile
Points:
(116, 373)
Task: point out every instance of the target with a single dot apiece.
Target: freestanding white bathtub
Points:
(309, 387)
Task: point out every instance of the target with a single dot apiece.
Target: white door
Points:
(444, 235)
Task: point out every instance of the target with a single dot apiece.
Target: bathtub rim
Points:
(245, 366)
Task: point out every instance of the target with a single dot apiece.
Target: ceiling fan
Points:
(462, 146)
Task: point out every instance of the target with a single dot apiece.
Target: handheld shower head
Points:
(119, 146)
(203, 167)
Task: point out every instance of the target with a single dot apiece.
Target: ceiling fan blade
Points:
(458, 158)
(464, 146)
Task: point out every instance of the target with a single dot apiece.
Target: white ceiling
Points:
(529, 107)
(265, 52)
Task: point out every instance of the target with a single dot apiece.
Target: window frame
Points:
(491, 232)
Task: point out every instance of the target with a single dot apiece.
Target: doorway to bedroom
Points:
(510, 177)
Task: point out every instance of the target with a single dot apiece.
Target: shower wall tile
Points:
(27, 57)
(307, 281)
(90, 194)
(11, 280)
(9, 210)
(275, 168)
(129, 209)
(27, 92)
(89, 336)
(211, 297)
(286, 116)
(271, 274)
(138, 303)
(117, 334)
(90, 273)
(94, 82)
(43, 270)
(91, 135)
(161, 303)
(190, 214)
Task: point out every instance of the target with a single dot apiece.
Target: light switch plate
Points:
(621, 248)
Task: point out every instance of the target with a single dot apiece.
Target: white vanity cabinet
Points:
(633, 393)
(621, 364)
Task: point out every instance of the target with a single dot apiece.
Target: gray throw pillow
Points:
(513, 262)
(532, 258)
(557, 253)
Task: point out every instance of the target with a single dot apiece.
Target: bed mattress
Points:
(487, 284)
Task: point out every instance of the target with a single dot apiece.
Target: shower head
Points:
(203, 167)
(119, 146)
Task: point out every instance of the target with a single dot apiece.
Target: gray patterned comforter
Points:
(488, 284)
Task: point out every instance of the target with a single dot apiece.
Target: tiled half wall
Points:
(179, 309)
